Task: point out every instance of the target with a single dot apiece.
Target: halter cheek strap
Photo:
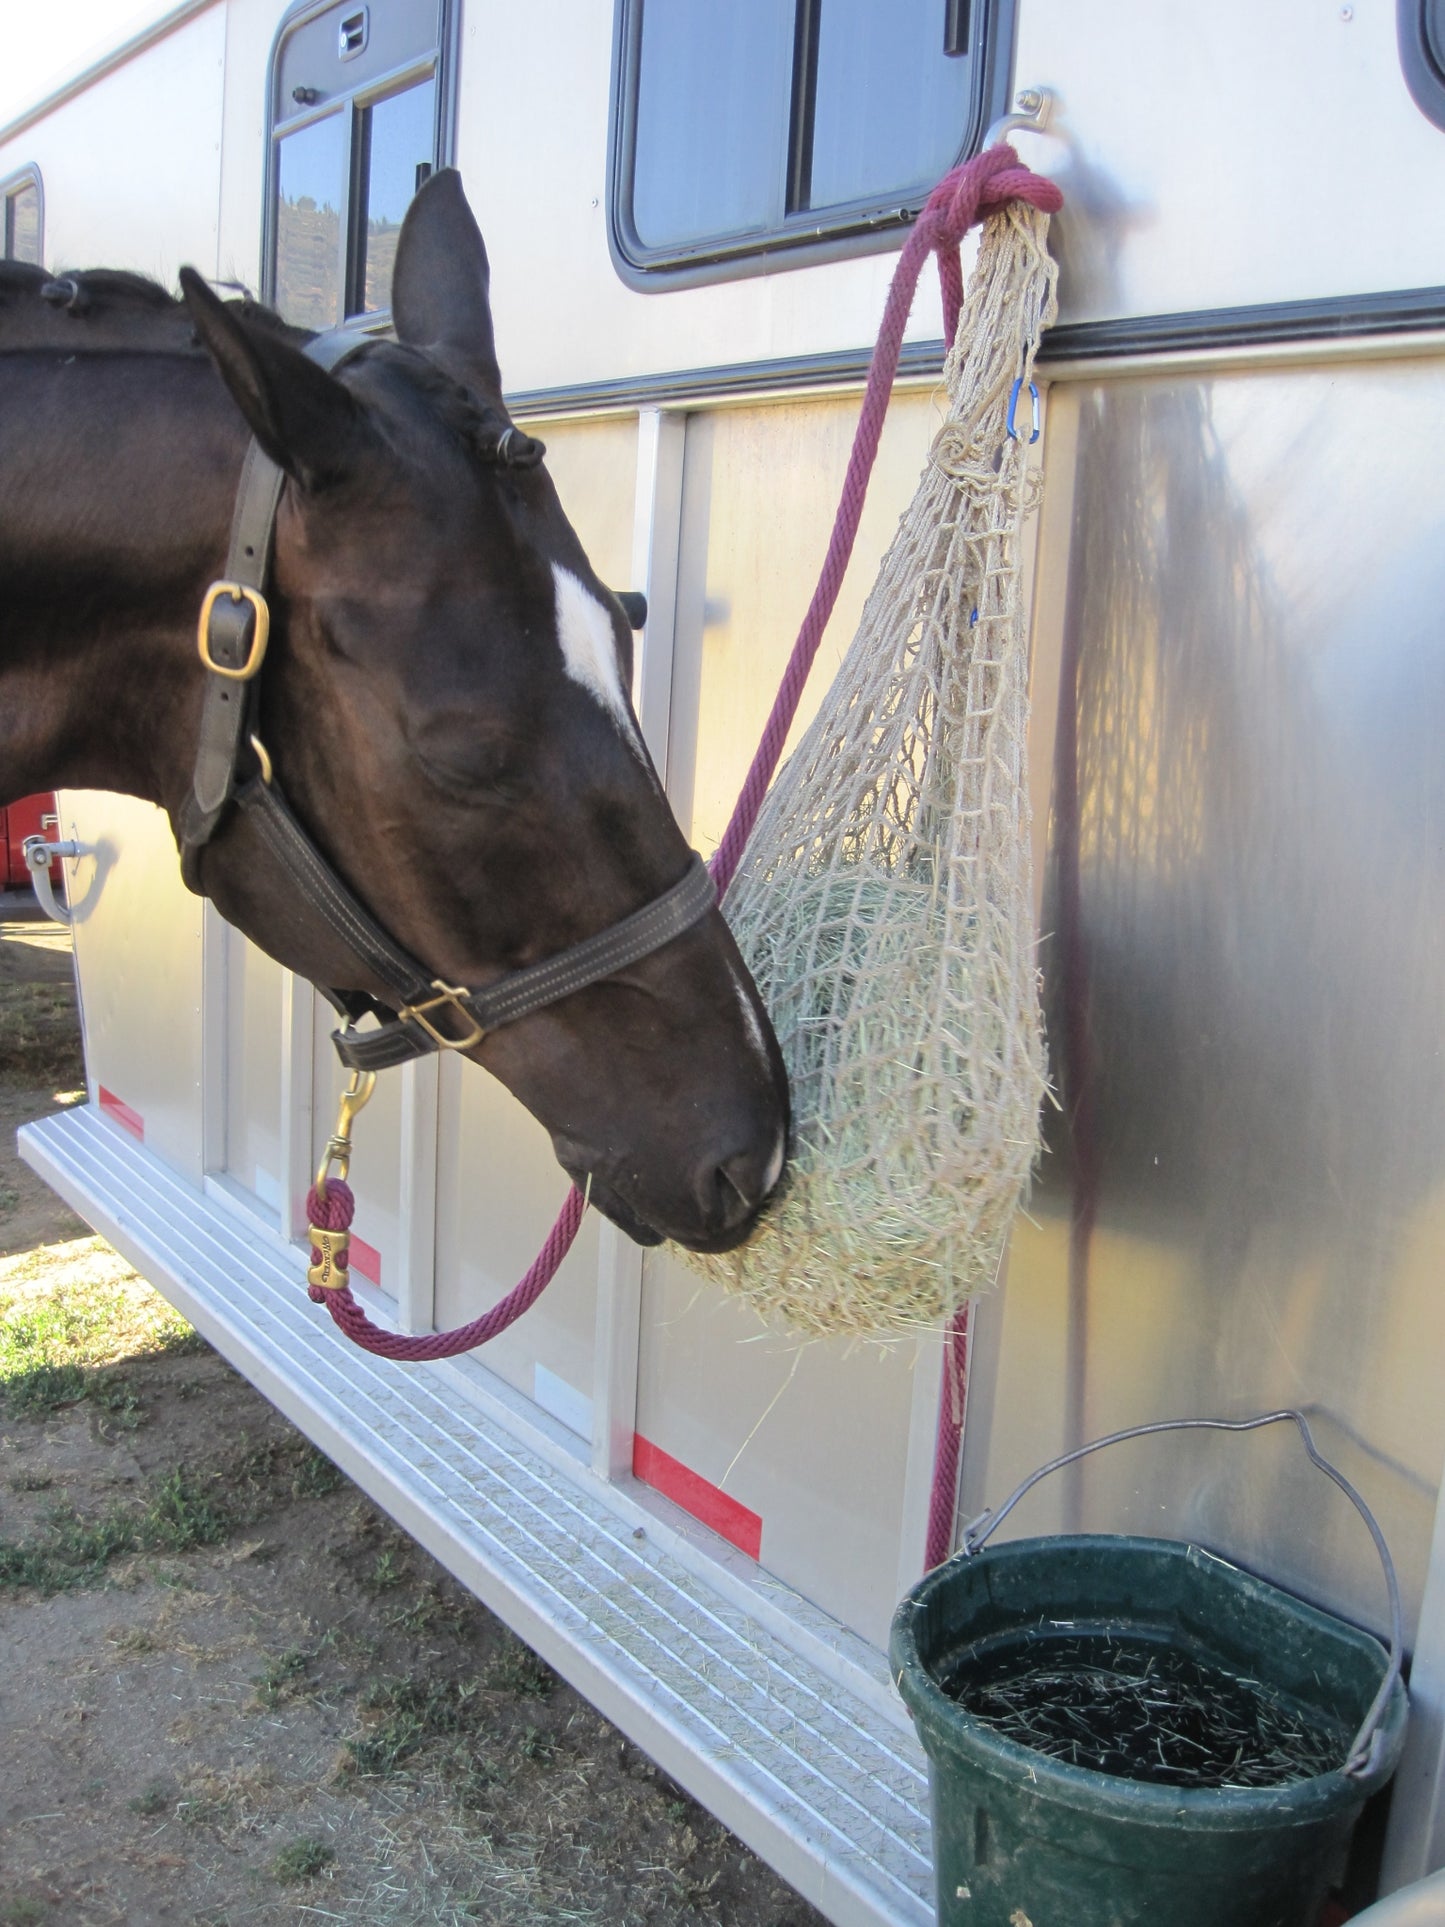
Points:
(428, 1013)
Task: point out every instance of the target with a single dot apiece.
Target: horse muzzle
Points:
(714, 1209)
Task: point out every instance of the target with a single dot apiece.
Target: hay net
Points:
(884, 902)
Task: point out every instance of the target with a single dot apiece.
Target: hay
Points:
(1147, 1710)
(885, 900)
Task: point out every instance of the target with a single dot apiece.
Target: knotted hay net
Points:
(884, 902)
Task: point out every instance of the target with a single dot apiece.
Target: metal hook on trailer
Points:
(39, 854)
(1032, 110)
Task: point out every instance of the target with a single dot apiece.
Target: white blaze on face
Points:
(589, 649)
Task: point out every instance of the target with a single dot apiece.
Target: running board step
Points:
(811, 1764)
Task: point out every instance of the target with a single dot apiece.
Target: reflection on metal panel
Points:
(1244, 953)
(760, 487)
(812, 1439)
(594, 467)
(138, 952)
(499, 1189)
(253, 1071)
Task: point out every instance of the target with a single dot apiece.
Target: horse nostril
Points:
(741, 1183)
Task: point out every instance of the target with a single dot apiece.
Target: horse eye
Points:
(474, 767)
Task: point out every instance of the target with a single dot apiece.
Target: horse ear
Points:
(440, 283)
(303, 418)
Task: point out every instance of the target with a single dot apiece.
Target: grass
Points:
(182, 1509)
(153, 1798)
(407, 1715)
(517, 1670)
(21, 1912)
(59, 1346)
(42, 1036)
(284, 1678)
(302, 1860)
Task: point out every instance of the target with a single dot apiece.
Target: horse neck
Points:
(117, 476)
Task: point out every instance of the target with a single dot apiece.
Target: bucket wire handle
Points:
(1364, 1753)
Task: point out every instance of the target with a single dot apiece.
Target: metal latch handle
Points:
(39, 854)
(1364, 1752)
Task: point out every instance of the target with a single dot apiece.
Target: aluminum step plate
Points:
(812, 1764)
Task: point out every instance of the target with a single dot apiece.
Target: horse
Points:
(445, 696)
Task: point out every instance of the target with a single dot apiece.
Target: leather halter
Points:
(429, 1014)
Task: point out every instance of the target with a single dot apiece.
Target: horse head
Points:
(446, 700)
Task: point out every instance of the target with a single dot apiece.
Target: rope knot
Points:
(335, 1211)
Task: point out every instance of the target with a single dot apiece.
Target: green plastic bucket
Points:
(1024, 1840)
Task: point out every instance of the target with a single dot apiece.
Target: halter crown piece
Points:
(428, 1013)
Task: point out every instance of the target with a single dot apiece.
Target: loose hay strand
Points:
(885, 900)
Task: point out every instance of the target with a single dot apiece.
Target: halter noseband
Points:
(430, 1014)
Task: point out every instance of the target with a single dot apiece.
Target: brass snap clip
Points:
(338, 1146)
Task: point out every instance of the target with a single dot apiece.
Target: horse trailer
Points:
(1233, 583)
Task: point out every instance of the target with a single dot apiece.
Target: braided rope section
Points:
(334, 1213)
(884, 902)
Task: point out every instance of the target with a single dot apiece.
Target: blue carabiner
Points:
(1013, 402)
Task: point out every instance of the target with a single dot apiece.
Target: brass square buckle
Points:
(450, 994)
(238, 592)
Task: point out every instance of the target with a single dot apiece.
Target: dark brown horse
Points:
(445, 697)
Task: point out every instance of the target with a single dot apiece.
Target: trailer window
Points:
(360, 114)
(742, 130)
(21, 210)
(1421, 28)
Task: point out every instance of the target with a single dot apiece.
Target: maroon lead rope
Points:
(962, 198)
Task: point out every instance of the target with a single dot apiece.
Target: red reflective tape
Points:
(364, 1258)
(125, 1117)
(697, 1495)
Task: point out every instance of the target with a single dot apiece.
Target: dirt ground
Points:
(230, 1690)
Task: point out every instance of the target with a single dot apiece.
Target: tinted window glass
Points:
(399, 138)
(310, 172)
(22, 224)
(890, 107)
(713, 88)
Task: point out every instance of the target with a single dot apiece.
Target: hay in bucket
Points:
(1146, 1709)
(884, 902)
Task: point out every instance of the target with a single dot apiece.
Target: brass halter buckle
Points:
(451, 994)
(238, 592)
(338, 1145)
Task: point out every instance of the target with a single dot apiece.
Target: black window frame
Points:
(1420, 26)
(810, 235)
(439, 64)
(11, 186)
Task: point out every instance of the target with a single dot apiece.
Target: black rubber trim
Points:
(1408, 311)
(1337, 318)
(727, 378)
(1420, 26)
